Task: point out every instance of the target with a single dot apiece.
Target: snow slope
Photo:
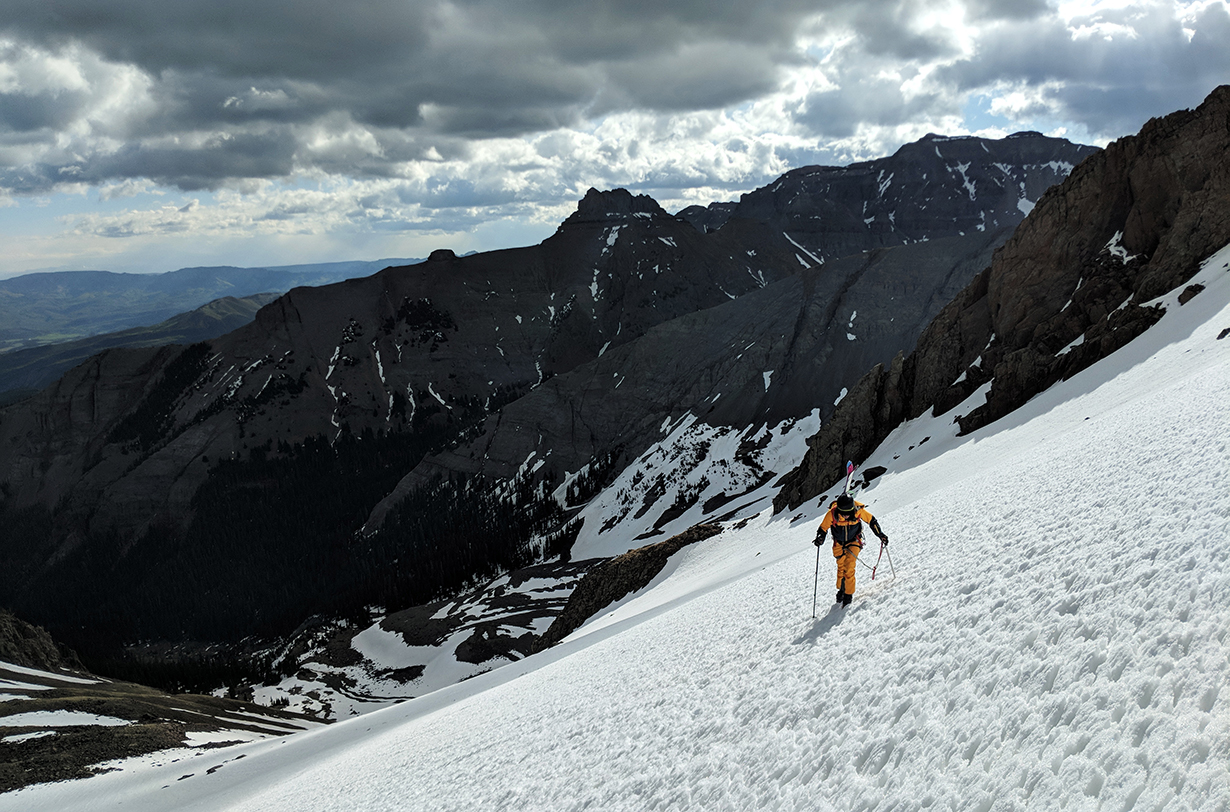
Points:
(1056, 637)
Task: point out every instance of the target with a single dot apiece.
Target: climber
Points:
(846, 517)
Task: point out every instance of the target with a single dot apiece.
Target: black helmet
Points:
(845, 503)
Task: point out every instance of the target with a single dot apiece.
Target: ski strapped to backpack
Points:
(883, 547)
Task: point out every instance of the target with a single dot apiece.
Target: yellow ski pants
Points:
(847, 561)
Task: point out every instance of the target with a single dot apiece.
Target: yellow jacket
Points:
(848, 527)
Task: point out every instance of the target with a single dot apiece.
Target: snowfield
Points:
(1055, 637)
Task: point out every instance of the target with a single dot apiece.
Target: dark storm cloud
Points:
(468, 69)
(601, 30)
(864, 99)
(704, 77)
(1005, 9)
(890, 29)
(237, 156)
(23, 113)
(227, 90)
(309, 39)
(906, 30)
(404, 53)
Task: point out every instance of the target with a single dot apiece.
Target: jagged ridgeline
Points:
(386, 440)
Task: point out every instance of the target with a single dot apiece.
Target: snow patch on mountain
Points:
(696, 473)
(795, 243)
(962, 169)
(1115, 246)
(424, 649)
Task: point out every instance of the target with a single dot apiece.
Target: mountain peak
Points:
(616, 204)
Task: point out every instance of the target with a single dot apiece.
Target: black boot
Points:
(845, 599)
(840, 595)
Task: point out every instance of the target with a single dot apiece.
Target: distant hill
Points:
(32, 369)
(47, 308)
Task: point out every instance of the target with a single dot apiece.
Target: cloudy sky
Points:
(145, 135)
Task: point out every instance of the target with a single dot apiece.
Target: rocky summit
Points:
(386, 439)
(936, 187)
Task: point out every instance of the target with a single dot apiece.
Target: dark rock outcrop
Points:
(707, 218)
(1130, 223)
(155, 721)
(32, 647)
(618, 577)
(441, 344)
(935, 187)
(613, 206)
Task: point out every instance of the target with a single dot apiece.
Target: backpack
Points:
(846, 527)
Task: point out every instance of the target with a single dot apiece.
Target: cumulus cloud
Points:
(1109, 69)
(442, 114)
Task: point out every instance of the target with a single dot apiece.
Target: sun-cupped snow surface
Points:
(1053, 632)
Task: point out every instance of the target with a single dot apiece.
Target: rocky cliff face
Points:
(1129, 224)
(770, 355)
(616, 578)
(32, 647)
(130, 468)
(936, 187)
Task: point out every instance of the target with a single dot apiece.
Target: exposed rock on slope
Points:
(708, 218)
(32, 647)
(135, 720)
(335, 673)
(616, 578)
(1068, 288)
(139, 464)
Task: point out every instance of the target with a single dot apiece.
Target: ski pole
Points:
(878, 557)
(816, 586)
(891, 568)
